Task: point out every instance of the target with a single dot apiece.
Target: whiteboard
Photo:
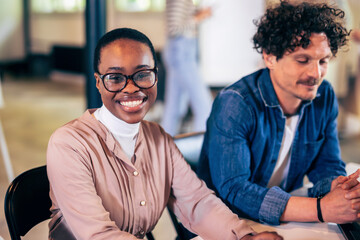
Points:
(225, 41)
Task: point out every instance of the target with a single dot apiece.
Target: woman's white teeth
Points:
(131, 103)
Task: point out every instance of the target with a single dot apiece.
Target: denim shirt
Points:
(243, 139)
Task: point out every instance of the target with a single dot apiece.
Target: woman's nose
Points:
(130, 87)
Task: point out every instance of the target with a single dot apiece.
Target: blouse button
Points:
(136, 173)
(142, 203)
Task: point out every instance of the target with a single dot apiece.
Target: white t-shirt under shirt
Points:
(281, 170)
(125, 133)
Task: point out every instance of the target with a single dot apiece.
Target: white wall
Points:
(11, 31)
(226, 49)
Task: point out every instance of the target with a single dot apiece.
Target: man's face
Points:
(297, 75)
(126, 56)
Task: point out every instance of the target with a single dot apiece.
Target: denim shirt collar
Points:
(268, 94)
(267, 90)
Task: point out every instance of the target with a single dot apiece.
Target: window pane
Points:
(69, 5)
(44, 6)
(49, 6)
(158, 5)
(196, 2)
(140, 5)
(133, 5)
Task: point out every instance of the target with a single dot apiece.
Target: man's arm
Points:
(328, 165)
(229, 154)
(228, 150)
(335, 206)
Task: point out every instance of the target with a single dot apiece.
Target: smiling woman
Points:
(127, 99)
(112, 174)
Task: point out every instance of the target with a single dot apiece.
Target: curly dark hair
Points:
(286, 27)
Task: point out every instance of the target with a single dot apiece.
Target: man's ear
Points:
(269, 59)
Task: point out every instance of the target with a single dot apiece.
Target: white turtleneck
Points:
(125, 133)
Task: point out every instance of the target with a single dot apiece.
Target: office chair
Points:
(27, 202)
(189, 145)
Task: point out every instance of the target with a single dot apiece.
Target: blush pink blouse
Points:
(98, 193)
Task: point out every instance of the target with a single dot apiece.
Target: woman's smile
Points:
(133, 102)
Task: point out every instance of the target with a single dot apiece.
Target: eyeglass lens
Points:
(117, 81)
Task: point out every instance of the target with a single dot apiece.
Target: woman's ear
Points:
(98, 80)
(269, 59)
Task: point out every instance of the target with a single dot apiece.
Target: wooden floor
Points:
(34, 108)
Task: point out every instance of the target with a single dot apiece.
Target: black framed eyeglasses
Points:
(143, 79)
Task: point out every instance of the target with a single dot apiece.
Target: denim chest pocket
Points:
(309, 150)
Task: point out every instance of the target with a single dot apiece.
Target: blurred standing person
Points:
(342, 69)
(183, 81)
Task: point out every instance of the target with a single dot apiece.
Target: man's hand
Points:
(338, 181)
(350, 181)
(347, 182)
(351, 184)
(263, 236)
(336, 207)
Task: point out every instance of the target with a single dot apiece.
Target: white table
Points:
(300, 231)
(305, 231)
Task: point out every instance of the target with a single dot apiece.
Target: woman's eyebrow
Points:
(142, 66)
(115, 68)
(123, 69)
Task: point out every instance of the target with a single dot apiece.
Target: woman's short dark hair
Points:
(286, 27)
(121, 33)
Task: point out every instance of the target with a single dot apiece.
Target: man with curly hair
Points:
(272, 128)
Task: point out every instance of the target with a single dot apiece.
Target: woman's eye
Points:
(142, 75)
(115, 78)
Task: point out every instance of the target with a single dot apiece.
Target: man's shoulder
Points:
(246, 85)
(240, 101)
(325, 103)
(325, 86)
(325, 92)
